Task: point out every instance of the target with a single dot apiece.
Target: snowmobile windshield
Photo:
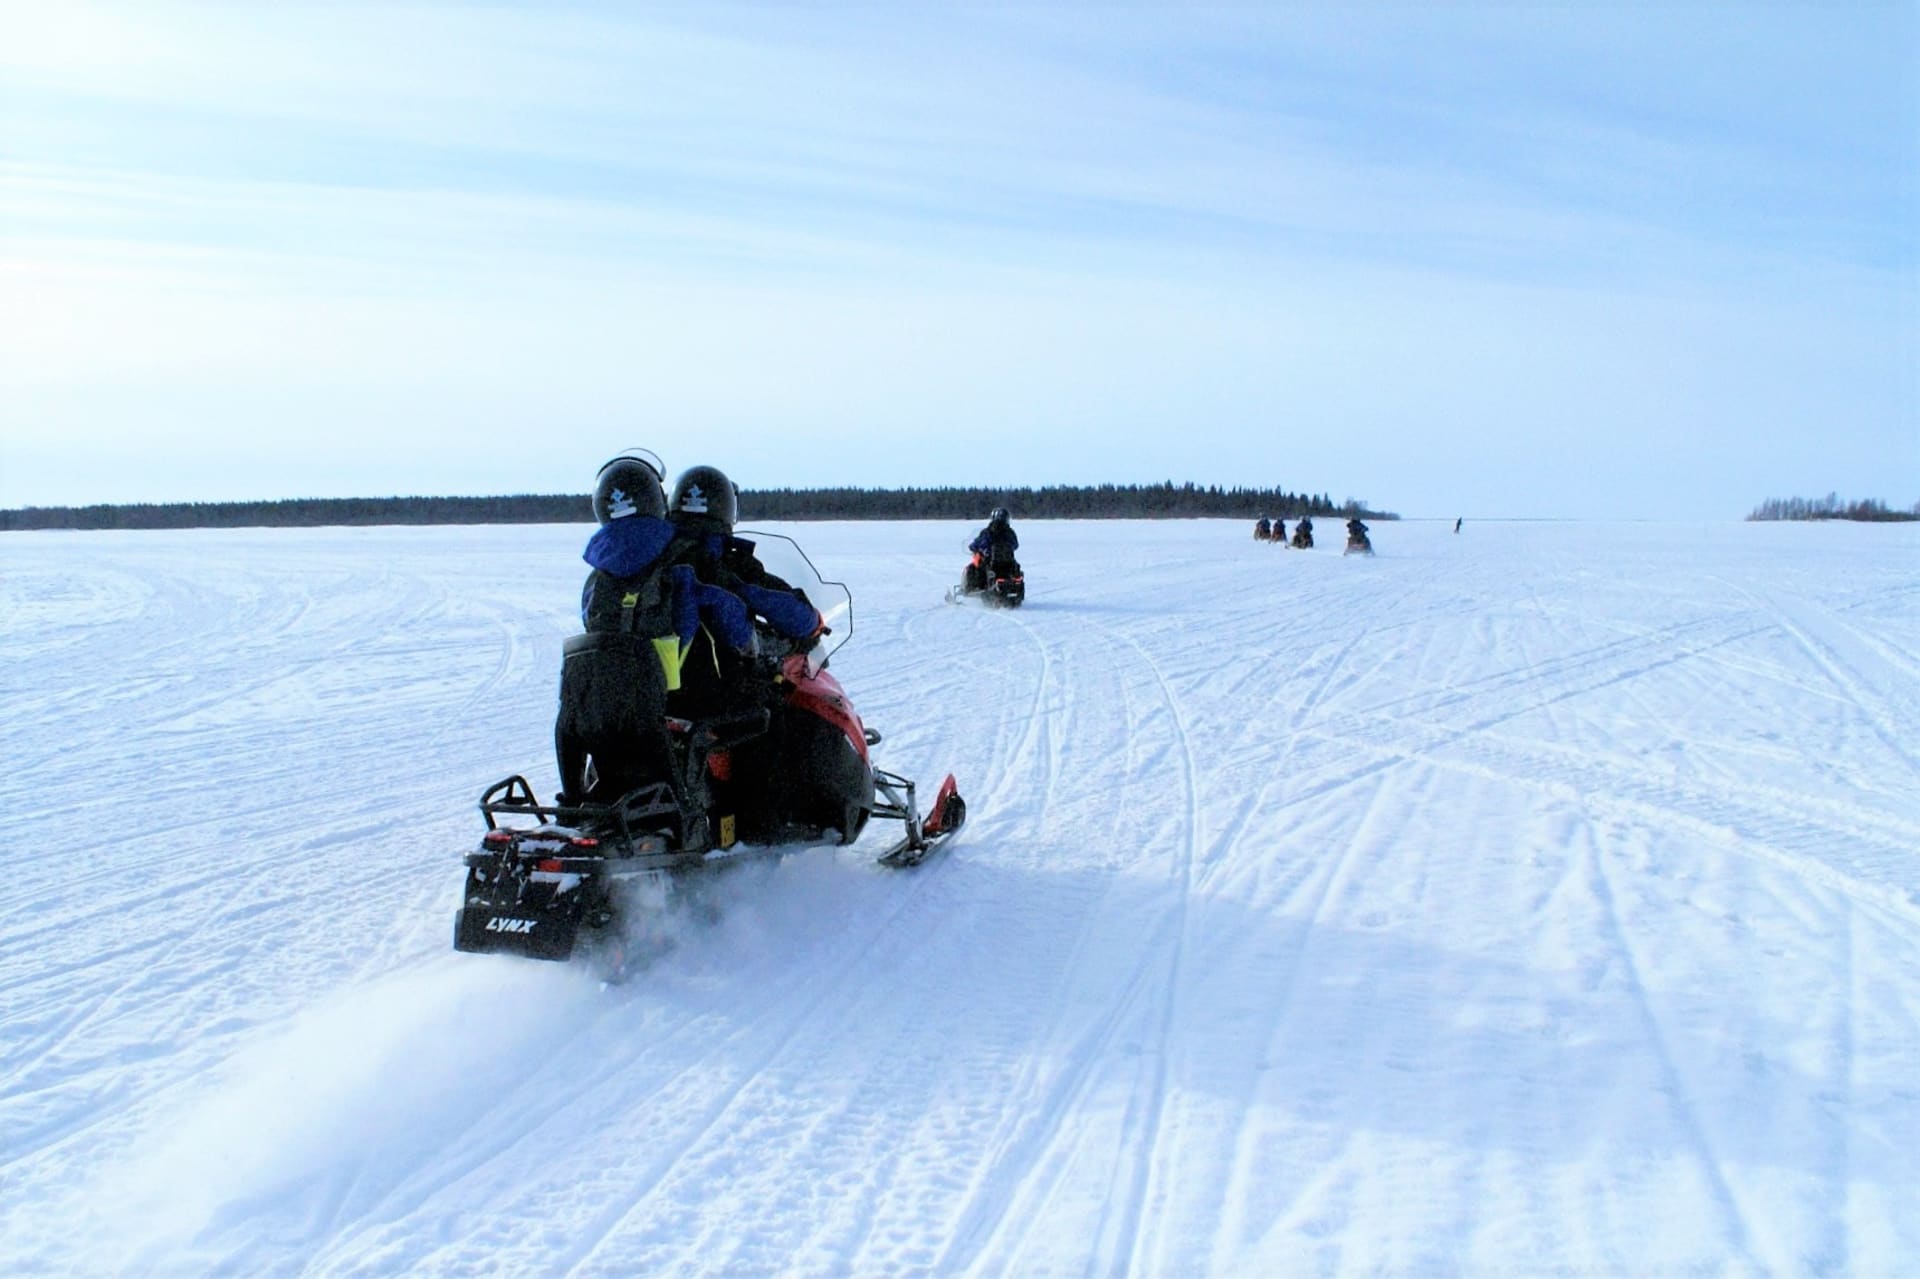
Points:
(783, 558)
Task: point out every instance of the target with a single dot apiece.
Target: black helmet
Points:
(999, 515)
(630, 485)
(705, 494)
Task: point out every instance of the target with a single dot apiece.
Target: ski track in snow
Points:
(1544, 898)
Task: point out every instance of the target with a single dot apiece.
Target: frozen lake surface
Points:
(1544, 898)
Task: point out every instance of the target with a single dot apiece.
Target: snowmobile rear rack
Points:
(631, 818)
(514, 795)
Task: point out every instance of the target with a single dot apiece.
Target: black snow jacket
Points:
(996, 543)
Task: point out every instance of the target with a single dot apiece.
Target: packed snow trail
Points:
(1540, 898)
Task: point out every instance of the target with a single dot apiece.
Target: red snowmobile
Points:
(689, 796)
(997, 585)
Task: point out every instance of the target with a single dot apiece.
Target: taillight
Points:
(551, 865)
(584, 841)
(497, 838)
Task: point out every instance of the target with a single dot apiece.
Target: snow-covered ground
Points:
(1541, 899)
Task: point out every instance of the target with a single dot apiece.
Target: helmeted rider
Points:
(629, 547)
(703, 509)
(641, 612)
(765, 777)
(993, 550)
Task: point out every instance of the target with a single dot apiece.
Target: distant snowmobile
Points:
(1357, 543)
(793, 770)
(1002, 587)
(1262, 530)
(993, 575)
(1303, 534)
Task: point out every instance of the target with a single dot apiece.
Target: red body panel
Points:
(819, 693)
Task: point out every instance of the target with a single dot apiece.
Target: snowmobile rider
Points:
(703, 508)
(630, 550)
(1356, 531)
(641, 612)
(993, 550)
(762, 773)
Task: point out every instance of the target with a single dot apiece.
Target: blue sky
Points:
(1490, 260)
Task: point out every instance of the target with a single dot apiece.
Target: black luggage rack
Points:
(632, 833)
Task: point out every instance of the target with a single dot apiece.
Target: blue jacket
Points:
(629, 548)
(731, 559)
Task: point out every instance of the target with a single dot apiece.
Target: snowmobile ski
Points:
(894, 798)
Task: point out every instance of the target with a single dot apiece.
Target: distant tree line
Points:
(1165, 500)
(1830, 507)
(1105, 501)
(314, 512)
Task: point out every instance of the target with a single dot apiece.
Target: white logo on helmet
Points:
(695, 502)
(619, 504)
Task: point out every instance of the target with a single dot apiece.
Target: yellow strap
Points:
(668, 647)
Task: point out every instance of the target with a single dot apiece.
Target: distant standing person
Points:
(1456, 523)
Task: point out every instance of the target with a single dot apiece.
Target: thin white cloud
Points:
(1234, 240)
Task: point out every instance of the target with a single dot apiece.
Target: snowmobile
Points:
(583, 875)
(1302, 535)
(996, 586)
(1357, 542)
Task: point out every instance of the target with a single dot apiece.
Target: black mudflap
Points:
(513, 907)
(513, 931)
